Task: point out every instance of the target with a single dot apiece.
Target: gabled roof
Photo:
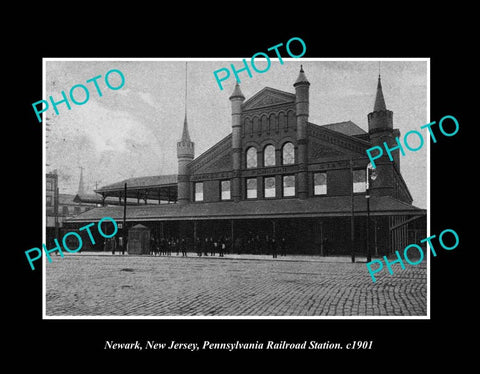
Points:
(140, 182)
(97, 199)
(268, 96)
(224, 145)
(353, 142)
(346, 128)
(64, 199)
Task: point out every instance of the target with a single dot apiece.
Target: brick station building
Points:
(277, 175)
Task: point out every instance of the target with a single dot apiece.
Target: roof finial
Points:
(379, 68)
(301, 68)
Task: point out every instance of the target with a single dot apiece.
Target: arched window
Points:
(273, 122)
(256, 125)
(251, 157)
(265, 124)
(248, 127)
(282, 121)
(288, 154)
(269, 155)
(292, 122)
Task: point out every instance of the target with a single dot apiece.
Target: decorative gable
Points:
(218, 158)
(319, 151)
(268, 97)
(325, 143)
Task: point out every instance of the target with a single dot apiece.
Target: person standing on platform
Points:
(210, 246)
(173, 245)
(205, 246)
(237, 245)
(221, 246)
(160, 247)
(183, 245)
(109, 245)
(214, 247)
(152, 245)
(113, 244)
(169, 246)
(273, 245)
(283, 247)
(120, 243)
(198, 246)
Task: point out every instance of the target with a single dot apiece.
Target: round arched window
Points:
(288, 154)
(251, 158)
(269, 156)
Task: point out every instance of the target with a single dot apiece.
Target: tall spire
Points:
(185, 134)
(379, 99)
(185, 154)
(81, 189)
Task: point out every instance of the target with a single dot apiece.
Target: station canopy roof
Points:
(333, 206)
(157, 187)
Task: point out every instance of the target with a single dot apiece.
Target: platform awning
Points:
(157, 187)
(336, 206)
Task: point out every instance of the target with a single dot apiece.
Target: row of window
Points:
(288, 186)
(288, 155)
(65, 209)
(50, 186)
(266, 123)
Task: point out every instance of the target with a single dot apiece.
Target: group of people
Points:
(266, 245)
(111, 244)
(207, 246)
(211, 246)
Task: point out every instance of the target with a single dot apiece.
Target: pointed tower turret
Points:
(381, 118)
(185, 154)
(185, 134)
(379, 99)
(380, 130)
(302, 92)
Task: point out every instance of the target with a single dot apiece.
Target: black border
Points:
(409, 340)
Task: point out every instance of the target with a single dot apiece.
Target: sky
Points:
(133, 131)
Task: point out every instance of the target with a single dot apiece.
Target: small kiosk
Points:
(138, 240)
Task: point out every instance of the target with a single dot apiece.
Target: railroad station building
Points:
(277, 175)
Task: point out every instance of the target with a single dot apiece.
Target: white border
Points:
(102, 317)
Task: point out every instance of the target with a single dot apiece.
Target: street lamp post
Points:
(124, 226)
(371, 174)
(352, 219)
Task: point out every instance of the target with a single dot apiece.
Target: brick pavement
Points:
(236, 285)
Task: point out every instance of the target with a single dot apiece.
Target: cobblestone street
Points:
(105, 285)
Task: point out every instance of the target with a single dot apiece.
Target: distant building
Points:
(60, 207)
